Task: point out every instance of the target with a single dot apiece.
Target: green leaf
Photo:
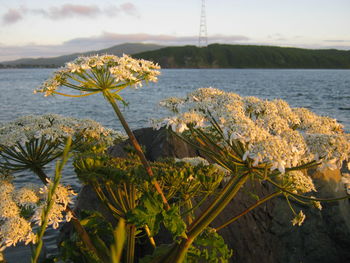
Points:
(148, 213)
(209, 247)
(173, 222)
(157, 255)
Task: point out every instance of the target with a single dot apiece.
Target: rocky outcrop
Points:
(264, 235)
(157, 144)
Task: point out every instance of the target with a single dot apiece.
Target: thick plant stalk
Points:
(136, 145)
(131, 234)
(41, 174)
(179, 251)
(119, 239)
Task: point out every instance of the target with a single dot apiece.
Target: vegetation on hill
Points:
(247, 56)
(212, 56)
(54, 62)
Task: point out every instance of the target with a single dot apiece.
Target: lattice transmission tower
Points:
(203, 38)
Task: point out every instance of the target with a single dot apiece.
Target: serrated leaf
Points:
(173, 222)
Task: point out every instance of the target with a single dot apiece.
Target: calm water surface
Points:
(326, 92)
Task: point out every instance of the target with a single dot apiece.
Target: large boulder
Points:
(157, 144)
(265, 234)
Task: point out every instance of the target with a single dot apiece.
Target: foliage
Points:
(209, 247)
(247, 56)
(101, 233)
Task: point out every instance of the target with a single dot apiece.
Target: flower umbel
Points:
(14, 227)
(271, 132)
(94, 74)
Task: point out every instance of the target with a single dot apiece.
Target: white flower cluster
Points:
(299, 218)
(61, 198)
(118, 69)
(53, 127)
(298, 182)
(193, 161)
(272, 132)
(14, 227)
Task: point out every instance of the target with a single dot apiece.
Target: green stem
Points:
(41, 174)
(204, 214)
(76, 223)
(261, 201)
(189, 207)
(224, 200)
(50, 201)
(131, 233)
(44, 216)
(306, 197)
(136, 145)
(178, 253)
(198, 204)
(290, 206)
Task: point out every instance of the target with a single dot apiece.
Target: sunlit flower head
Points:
(14, 230)
(94, 74)
(271, 132)
(57, 214)
(36, 140)
(27, 196)
(298, 182)
(8, 209)
(51, 127)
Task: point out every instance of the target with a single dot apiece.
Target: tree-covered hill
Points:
(247, 56)
(212, 56)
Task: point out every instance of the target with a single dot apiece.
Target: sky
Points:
(45, 28)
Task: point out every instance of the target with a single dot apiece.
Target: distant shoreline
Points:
(213, 56)
(41, 67)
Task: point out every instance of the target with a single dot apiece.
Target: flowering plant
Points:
(271, 132)
(257, 139)
(247, 138)
(107, 73)
(21, 208)
(31, 142)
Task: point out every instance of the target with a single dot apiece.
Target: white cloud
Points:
(67, 11)
(13, 15)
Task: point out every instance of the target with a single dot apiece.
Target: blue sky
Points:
(35, 28)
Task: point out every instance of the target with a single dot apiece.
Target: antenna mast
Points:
(203, 38)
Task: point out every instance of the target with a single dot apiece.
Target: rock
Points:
(325, 234)
(157, 144)
(21, 254)
(265, 234)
